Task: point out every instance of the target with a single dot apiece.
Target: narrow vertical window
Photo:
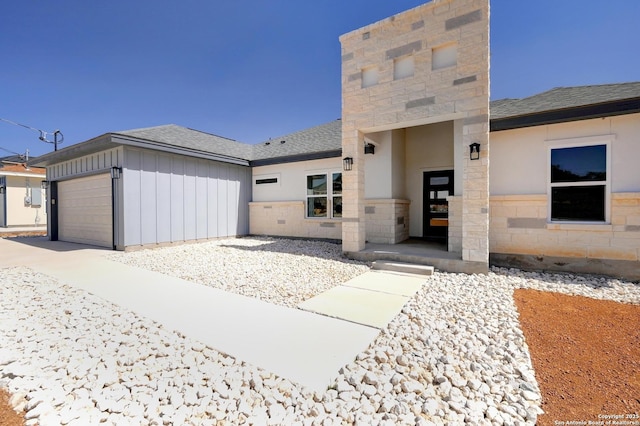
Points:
(317, 195)
(337, 195)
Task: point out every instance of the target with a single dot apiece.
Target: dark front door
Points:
(437, 186)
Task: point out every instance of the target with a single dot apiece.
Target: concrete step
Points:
(406, 268)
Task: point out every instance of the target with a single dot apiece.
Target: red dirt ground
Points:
(585, 354)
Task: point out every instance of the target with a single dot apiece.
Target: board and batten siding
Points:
(172, 198)
(99, 162)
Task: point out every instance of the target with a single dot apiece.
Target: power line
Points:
(11, 152)
(43, 134)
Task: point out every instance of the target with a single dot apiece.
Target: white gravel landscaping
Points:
(454, 355)
(281, 271)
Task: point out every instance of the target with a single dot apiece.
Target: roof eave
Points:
(109, 140)
(91, 146)
(584, 112)
(172, 149)
(297, 157)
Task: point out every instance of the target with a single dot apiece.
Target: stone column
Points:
(475, 192)
(353, 217)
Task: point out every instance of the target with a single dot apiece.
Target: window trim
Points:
(552, 144)
(329, 196)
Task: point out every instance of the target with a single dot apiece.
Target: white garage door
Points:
(84, 211)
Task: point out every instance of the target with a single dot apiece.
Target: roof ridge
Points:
(213, 134)
(558, 88)
(146, 128)
(299, 131)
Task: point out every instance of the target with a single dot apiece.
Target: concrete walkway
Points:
(302, 346)
(371, 299)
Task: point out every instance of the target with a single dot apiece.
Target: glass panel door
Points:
(437, 186)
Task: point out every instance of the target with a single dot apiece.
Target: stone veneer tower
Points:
(427, 65)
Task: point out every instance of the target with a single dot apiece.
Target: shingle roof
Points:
(13, 159)
(325, 140)
(563, 98)
(184, 137)
(22, 169)
(322, 138)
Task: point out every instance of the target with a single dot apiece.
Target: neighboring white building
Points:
(22, 200)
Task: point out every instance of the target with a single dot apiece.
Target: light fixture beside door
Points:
(347, 163)
(474, 151)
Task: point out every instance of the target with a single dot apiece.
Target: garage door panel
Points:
(85, 212)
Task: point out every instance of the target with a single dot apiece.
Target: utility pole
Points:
(55, 139)
(43, 134)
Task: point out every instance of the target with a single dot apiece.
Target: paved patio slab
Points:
(387, 282)
(372, 299)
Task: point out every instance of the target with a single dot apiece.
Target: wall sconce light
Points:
(115, 172)
(44, 184)
(347, 163)
(474, 151)
(369, 148)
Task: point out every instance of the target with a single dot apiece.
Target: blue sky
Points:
(250, 70)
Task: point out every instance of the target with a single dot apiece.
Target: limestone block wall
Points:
(287, 219)
(394, 76)
(519, 226)
(455, 224)
(387, 220)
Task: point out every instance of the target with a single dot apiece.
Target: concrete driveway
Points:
(304, 347)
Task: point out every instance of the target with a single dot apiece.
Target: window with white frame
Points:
(579, 183)
(324, 195)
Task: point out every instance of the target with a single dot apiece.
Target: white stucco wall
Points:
(384, 170)
(519, 157)
(398, 162)
(428, 148)
(292, 181)
(378, 167)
